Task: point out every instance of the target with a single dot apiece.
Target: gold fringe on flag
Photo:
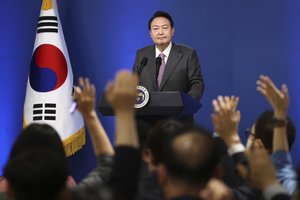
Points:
(75, 142)
(47, 5)
(24, 121)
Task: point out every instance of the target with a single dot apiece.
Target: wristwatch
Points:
(279, 122)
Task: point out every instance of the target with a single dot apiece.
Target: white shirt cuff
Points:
(236, 148)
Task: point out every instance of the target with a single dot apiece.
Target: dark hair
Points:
(195, 164)
(37, 173)
(35, 136)
(264, 130)
(160, 14)
(158, 135)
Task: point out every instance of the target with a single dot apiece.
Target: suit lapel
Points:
(174, 57)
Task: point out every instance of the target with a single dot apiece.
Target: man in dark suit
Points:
(179, 69)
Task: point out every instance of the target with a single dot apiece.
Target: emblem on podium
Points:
(142, 97)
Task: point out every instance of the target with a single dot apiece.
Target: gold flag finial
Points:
(47, 5)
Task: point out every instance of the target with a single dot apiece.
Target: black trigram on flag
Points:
(47, 24)
(45, 111)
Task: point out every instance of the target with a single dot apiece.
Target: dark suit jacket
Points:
(182, 72)
(150, 189)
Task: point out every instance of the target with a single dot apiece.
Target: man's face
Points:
(161, 31)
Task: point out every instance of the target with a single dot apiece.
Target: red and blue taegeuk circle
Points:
(48, 70)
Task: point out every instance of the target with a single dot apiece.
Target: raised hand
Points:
(121, 94)
(84, 95)
(278, 99)
(226, 119)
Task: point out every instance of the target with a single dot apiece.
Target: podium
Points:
(172, 103)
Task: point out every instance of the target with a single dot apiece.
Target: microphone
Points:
(142, 65)
(157, 63)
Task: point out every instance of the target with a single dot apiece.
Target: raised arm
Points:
(121, 95)
(279, 100)
(85, 98)
(226, 119)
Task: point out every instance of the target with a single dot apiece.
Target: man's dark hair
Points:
(36, 174)
(160, 14)
(195, 163)
(35, 136)
(264, 130)
(158, 135)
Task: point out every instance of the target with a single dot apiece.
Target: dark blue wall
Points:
(236, 41)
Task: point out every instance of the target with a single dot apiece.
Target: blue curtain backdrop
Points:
(236, 40)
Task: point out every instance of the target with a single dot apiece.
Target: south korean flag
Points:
(50, 82)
